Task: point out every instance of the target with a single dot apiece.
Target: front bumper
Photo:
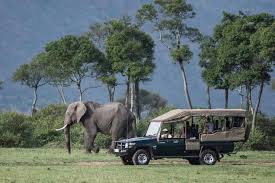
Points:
(124, 152)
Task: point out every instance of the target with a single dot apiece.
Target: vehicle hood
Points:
(137, 139)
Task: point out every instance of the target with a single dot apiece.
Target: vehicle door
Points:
(170, 147)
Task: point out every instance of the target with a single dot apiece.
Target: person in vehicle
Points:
(208, 126)
(193, 131)
(165, 134)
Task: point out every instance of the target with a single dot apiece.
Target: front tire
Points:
(208, 157)
(141, 157)
(126, 160)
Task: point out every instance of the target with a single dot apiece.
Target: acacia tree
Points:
(57, 76)
(76, 57)
(237, 60)
(168, 18)
(131, 53)
(98, 33)
(32, 75)
(263, 46)
(207, 58)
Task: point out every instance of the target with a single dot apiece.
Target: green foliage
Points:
(181, 54)
(71, 59)
(103, 141)
(32, 75)
(255, 141)
(131, 53)
(15, 130)
(45, 122)
(168, 18)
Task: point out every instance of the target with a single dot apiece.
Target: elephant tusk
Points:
(61, 128)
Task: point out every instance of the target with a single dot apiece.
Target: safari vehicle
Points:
(202, 136)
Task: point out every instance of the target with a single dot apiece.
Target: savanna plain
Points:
(55, 165)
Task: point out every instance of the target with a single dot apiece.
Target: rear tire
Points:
(126, 160)
(208, 157)
(141, 157)
(194, 161)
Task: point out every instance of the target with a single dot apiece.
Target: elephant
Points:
(112, 118)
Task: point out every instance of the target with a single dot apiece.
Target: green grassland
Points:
(55, 165)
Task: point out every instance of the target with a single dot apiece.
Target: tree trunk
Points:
(241, 96)
(111, 92)
(247, 96)
(250, 103)
(257, 105)
(34, 101)
(226, 98)
(208, 97)
(132, 100)
(137, 104)
(185, 85)
(61, 93)
(127, 93)
(80, 91)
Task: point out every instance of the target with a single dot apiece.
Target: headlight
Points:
(129, 144)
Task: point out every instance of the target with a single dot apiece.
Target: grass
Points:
(55, 165)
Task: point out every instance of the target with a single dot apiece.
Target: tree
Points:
(76, 56)
(98, 33)
(263, 47)
(239, 55)
(131, 53)
(168, 18)
(32, 75)
(150, 102)
(208, 56)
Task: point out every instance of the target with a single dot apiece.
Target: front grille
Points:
(120, 145)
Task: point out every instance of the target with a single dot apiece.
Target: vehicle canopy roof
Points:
(183, 114)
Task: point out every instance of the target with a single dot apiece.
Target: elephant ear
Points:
(80, 111)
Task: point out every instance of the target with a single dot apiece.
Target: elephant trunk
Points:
(68, 139)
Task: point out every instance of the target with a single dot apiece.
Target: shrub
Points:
(103, 141)
(45, 122)
(15, 130)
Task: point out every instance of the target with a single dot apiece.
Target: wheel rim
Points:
(142, 158)
(208, 158)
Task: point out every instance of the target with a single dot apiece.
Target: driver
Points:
(165, 134)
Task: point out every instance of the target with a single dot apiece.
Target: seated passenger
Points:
(193, 132)
(165, 134)
(209, 126)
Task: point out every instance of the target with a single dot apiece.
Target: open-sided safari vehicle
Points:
(202, 136)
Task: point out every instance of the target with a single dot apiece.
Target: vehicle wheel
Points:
(126, 160)
(208, 157)
(141, 157)
(194, 161)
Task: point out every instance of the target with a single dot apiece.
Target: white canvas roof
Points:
(180, 114)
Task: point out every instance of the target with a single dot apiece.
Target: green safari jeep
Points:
(201, 136)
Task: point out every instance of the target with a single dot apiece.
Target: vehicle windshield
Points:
(153, 129)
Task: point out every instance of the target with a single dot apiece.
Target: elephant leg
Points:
(90, 134)
(87, 143)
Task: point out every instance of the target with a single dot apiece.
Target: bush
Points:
(103, 141)
(15, 130)
(256, 140)
(45, 122)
